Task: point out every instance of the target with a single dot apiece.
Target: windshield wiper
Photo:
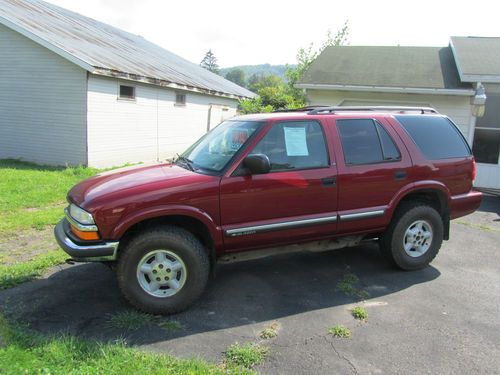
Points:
(187, 162)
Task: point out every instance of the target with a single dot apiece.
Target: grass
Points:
(340, 331)
(33, 196)
(12, 275)
(347, 285)
(245, 355)
(270, 332)
(24, 352)
(359, 313)
(133, 320)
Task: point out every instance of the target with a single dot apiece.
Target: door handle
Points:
(329, 181)
(399, 175)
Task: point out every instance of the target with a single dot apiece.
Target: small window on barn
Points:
(127, 92)
(180, 99)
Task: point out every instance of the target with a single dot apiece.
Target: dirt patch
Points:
(26, 244)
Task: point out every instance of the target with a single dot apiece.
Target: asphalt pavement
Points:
(444, 319)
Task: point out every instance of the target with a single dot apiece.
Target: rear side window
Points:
(436, 137)
(366, 142)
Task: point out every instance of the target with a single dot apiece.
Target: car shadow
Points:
(80, 299)
(491, 204)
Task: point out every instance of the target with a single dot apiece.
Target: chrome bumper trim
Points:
(104, 251)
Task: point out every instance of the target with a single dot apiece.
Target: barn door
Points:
(216, 114)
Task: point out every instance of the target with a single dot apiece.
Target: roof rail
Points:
(302, 109)
(329, 110)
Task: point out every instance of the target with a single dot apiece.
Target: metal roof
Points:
(376, 66)
(478, 58)
(106, 50)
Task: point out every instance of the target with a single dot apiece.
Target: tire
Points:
(410, 228)
(179, 249)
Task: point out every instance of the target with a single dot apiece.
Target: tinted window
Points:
(365, 142)
(389, 149)
(435, 136)
(294, 145)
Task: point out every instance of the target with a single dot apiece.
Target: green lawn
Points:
(25, 352)
(33, 196)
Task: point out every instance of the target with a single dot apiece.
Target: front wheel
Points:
(163, 270)
(414, 237)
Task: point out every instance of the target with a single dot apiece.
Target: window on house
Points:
(294, 145)
(366, 142)
(127, 92)
(180, 99)
(486, 147)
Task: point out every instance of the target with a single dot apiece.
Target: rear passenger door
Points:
(373, 165)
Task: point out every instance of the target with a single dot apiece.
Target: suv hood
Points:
(131, 184)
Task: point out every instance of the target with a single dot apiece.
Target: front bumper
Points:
(94, 251)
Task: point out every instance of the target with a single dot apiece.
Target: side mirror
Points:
(257, 163)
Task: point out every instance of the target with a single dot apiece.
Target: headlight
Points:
(82, 216)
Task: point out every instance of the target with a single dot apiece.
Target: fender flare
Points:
(414, 188)
(169, 210)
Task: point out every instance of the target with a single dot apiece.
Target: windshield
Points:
(214, 150)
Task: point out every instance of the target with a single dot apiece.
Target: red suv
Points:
(315, 180)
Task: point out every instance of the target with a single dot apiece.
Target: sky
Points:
(259, 31)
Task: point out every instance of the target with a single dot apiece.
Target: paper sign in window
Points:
(296, 141)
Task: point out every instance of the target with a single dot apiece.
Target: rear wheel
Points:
(163, 270)
(414, 237)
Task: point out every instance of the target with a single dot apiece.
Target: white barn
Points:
(79, 92)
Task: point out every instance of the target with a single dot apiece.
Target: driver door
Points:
(295, 201)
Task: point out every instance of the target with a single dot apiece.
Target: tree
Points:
(209, 62)
(237, 76)
(306, 56)
(273, 93)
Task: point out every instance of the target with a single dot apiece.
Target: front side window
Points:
(216, 148)
(366, 142)
(294, 145)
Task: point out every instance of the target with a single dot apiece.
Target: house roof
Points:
(106, 50)
(407, 69)
(478, 58)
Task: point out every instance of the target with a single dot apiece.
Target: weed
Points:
(340, 331)
(270, 332)
(359, 313)
(246, 355)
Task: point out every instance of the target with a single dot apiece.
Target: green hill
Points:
(262, 69)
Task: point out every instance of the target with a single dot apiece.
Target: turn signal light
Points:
(86, 236)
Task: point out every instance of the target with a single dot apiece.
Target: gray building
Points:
(76, 91)
(453, 79)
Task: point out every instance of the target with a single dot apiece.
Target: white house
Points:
(451, 79)
(76, 91)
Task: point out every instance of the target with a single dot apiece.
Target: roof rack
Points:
(302, 109)
(330, 110)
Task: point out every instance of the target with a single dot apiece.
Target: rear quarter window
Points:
(436, 137)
